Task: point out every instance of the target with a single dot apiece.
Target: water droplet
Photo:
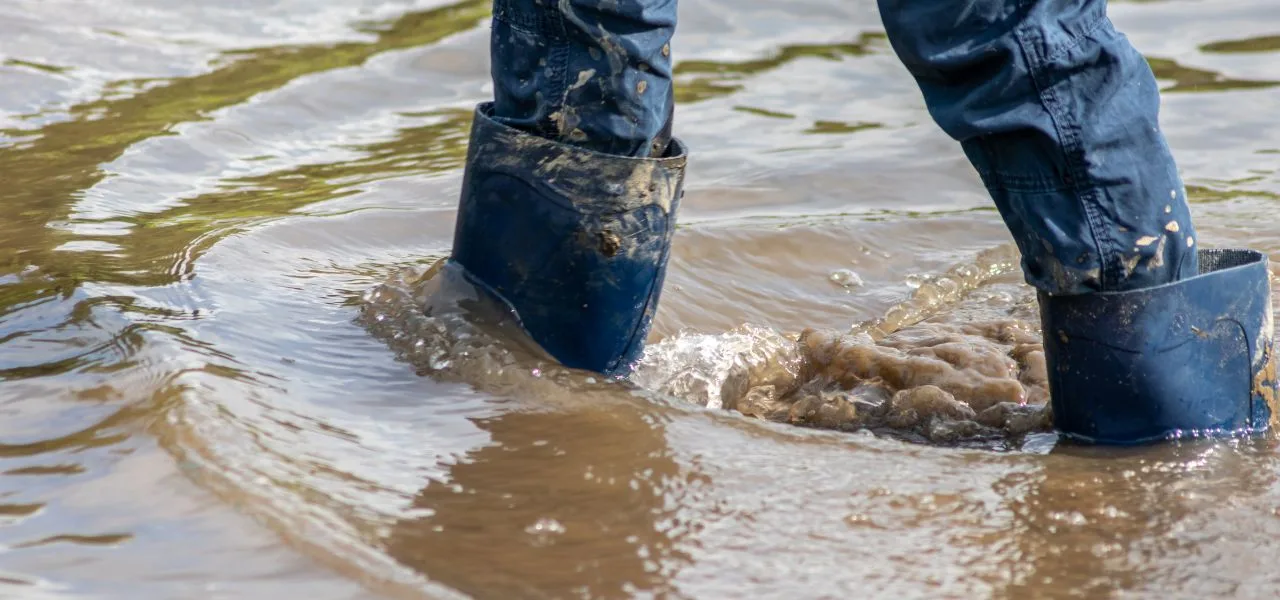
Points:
(846, 278)
(545, 526)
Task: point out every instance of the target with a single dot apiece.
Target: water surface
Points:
(219, 382)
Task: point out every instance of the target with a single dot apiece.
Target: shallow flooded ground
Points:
(218, 379)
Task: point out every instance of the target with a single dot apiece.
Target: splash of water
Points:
(947, 365)
(958, 361)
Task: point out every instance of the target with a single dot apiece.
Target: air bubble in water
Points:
(545, 526)
(846, 278)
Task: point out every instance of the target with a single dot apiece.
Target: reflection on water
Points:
(1101, 524)
(1266, 43)
(704, 79)
(601, 516)
(1190, 79)
(224, 327)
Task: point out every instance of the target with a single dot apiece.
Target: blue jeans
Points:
(1054, 108)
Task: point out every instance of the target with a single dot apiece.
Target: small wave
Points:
(958, 361)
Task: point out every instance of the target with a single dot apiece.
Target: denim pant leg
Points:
(595, 74)
(1058, 114)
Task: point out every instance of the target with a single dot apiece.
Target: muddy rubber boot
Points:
(574, 241)
(1191, 358)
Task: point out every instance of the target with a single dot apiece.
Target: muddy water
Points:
(222, 377)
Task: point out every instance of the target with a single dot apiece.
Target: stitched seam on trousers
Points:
(1077, 40)
(535, 25)
(1084, 192)
(510, 19)
(557, 68)
(516, 24)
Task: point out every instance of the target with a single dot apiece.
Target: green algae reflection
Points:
(698, 80)
(1191, 79)
(1266, 43)
(43, 175)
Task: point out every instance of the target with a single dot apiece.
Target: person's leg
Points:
(1058, 113)
(596, 75)
(573, 179)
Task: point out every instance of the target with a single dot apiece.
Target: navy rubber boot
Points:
(574, 241)
(1190, 358)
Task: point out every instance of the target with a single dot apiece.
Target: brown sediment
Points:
(1265, 386)
(1131, 264)
(977, 366)
(1157, 260)
(910, 406)
(946, 382)
(949, 382)
(961, 369)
